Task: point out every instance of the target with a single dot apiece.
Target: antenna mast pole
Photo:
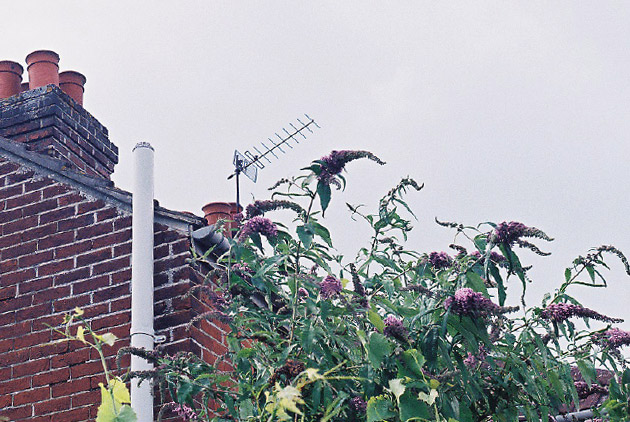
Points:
(238, 190)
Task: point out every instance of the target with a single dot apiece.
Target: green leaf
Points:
(376, 320)
(335, 407)
(305, 234)
(183, 391)
(245, 353)
(322, 232)
(428, 398)
(126, 414)
(119, 390)
(413, 409)
(323, 190)
(108, 338)
(245, 409)
(379, 408)
(413, 361)
(378, 347)
(587, 369)
(430, 344)
(476, 282)
(397, 388)
(112, 408)
(255, 237)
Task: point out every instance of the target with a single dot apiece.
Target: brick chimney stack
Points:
(47, 115)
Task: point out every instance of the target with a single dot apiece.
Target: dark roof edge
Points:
(93, 186)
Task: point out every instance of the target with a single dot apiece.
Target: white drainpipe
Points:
(142, 334)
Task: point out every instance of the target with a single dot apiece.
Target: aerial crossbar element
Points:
(248, 159)
(248, 163)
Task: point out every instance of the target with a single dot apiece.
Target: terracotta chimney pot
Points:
(10, 78)
(222, 210)
(43, 68)
(72, 83)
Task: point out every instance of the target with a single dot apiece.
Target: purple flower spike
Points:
(330, 287)
(495, 257)
(394, 328)
(358, 405)
(613, 338)
(510, 233)
(259, 225)
(334, 163)
(559, 312)
(261, 207)
(467, 302)
(474, 361)
(440, 260)
(186, 412)
(243, 271)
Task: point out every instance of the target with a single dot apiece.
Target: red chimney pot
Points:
(72, 83)
(225, 210)
(43, 68)
(10, 78)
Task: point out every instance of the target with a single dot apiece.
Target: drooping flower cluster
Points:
(260, 207)
(467, 302)
(335, 162)
(461, 251)
(613, 338)
(359, 289)
(290, 370)
(185, 412)
(243, 271)
(261, 225)
(330, 287)
(584, 390)
(358, 405)
(394, 328)
(440, 260)
(475, 361)
(510, 233)
(559, 312)
(494, 256)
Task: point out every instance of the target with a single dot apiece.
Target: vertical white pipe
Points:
(142, 276)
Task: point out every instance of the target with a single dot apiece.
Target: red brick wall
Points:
(59, 249)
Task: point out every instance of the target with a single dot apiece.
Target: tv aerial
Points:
(249, 163)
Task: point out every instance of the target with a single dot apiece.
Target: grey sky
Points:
(505, 110)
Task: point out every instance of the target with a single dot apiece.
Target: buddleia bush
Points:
(391, 334)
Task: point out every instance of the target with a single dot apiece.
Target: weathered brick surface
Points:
(60, 248)
(52, 123)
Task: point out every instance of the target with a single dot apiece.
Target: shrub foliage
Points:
(391, 334)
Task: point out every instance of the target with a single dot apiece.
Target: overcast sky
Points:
(505, 110)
